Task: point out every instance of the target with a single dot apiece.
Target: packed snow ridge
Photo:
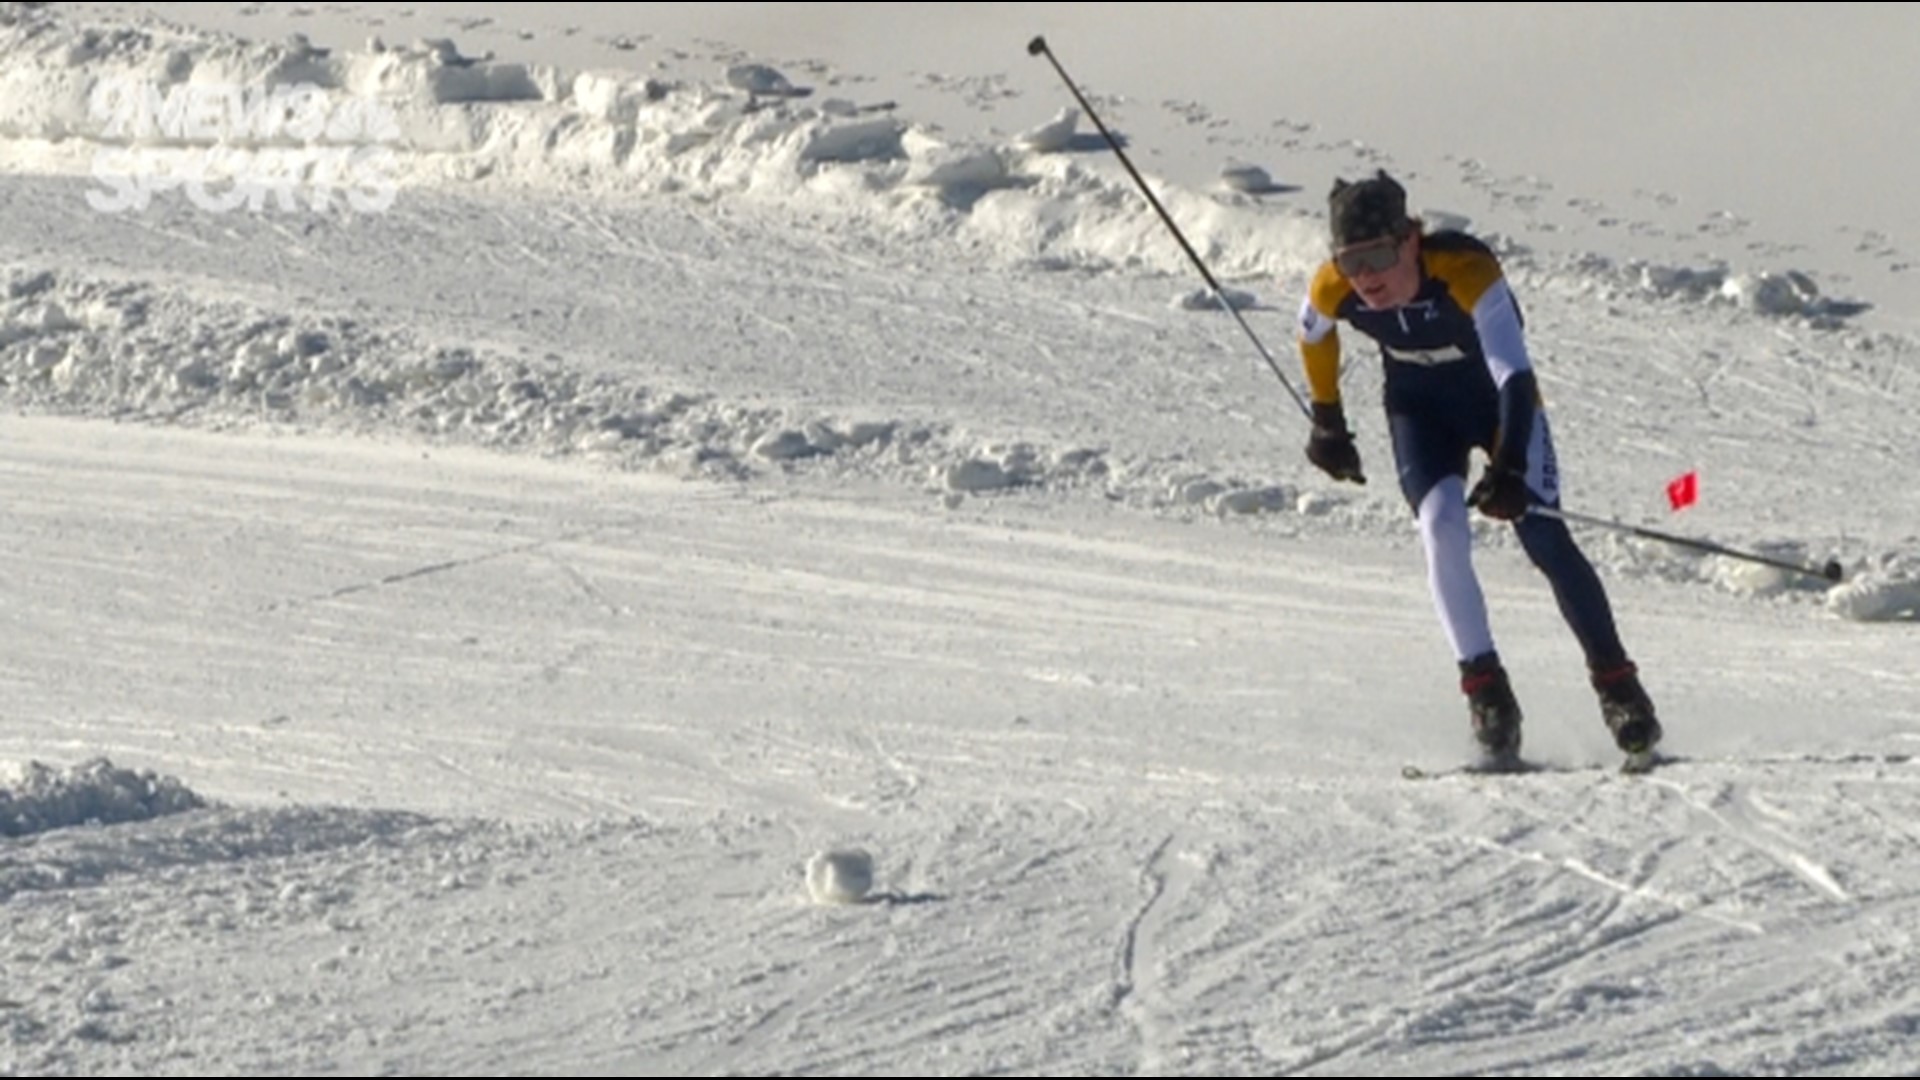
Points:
(146, 109)
(78, 345)
(83, 346)
(141, 107)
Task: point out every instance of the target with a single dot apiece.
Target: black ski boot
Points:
(1491, 707)
(1628, 711)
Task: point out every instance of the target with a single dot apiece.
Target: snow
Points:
(693, 539)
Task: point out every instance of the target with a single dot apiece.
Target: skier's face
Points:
(1385, 272)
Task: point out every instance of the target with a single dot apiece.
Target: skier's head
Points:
(1375, 244)
(1362, 210)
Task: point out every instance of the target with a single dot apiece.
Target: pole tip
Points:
(1037, 46)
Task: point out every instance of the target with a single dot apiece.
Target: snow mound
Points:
(1052, 137)
(37, 798)
(1877, 596)
(1206, 300)
(1771, 294)
(841, 876)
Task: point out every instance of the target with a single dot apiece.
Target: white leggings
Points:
(1445, 532)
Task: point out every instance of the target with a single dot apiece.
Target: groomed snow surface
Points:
(574, 545)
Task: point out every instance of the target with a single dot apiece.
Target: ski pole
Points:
(1038, 47)
(1832, 571)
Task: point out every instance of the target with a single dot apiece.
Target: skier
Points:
(1457, 376)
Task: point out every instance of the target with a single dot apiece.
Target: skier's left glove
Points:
(1501, 493)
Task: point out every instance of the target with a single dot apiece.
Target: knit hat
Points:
(1367, 209)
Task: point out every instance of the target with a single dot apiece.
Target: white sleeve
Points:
(1314, 327)
(1497, 318)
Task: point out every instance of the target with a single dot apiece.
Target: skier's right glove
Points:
(1331, 447)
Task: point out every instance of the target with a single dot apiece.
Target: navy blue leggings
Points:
(1576, 586)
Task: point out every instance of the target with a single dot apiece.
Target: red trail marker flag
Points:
(1684, 491)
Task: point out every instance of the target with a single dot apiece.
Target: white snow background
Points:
(739, 543)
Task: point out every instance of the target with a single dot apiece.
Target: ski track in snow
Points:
(1247, 940)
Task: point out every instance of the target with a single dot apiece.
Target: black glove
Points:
(1331, 445)
(1501, 493)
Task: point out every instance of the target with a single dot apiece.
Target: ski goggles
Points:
(1368, 257)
